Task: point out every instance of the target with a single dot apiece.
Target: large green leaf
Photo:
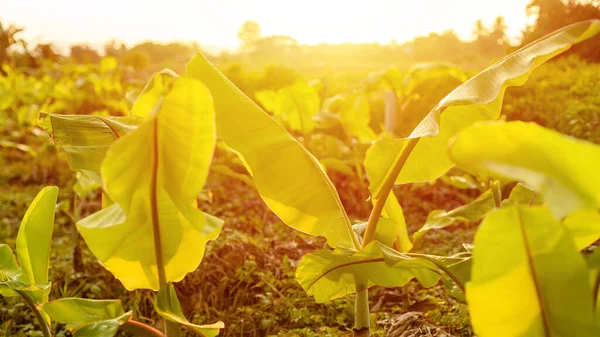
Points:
(167, 306)
(34, 238)
(86, 138)
(152, 175)
(528, 279)
(88, 318)
(327, 275)
(290, 180)
(479, 98)
(12, 278)
(563, 169)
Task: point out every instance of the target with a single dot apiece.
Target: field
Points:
(279, 266)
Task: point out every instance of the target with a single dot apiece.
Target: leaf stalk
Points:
(38, 315)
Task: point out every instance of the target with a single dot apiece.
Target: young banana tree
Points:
(151, 166)
(27, 276)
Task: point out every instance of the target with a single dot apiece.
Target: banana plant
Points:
(317, 209)
(151, 166)
(541, 284)
(27, 276)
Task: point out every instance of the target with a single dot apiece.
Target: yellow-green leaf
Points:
(295, 105)
(563, 169)
(528, 279)
(34, 238)
(152, 175)
(88, 318)
(479, 98)
(337, 164)
(327, 275)
(167, 306)
(12, 278)
(157, 86)
(472, 211)
(291, 181)
(86, 138)
(584, 227)
(393, 211)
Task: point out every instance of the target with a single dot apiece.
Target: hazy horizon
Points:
(214, 25)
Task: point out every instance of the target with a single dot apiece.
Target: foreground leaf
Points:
(528, 278)
(528, 152)
(153, 192)
(479, 98)
(34, 238)
(88, 318)
(290, 168)
(167, 306)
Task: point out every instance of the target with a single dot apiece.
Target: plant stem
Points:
(171, 328)
(361, 308)
(497, 193)
(362, 319)
(384, 192)
(38, 315)
(141, 329)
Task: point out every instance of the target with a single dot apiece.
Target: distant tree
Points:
(249, 34)
(551, 15)
(491, 43)
(46, 52)
(7, 40)
(115, 49)
(274, 47)
(166, 55)
(498, 34)
(82, 53)
(480, 30)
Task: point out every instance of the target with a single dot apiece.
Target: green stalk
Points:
(362, 318)
(497, 193)
(361, 309)
(171, 328)
(385, 190)
(38, 315)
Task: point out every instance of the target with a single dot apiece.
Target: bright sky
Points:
(216, 22)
